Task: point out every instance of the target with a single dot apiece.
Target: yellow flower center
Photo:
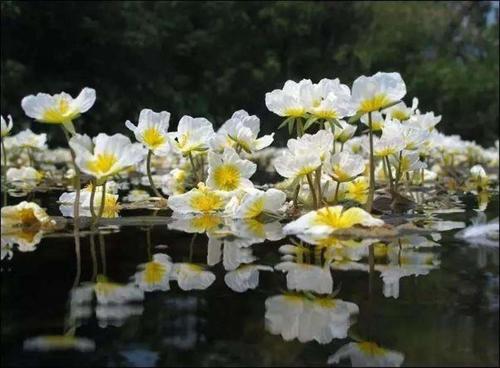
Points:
(400, 115)
(325, 302)
(60, 113)
(255, 227)
(206, 201)
(206, 222)
(340, 174)
(27, 217)
(358, 191)
(326, 114)
(153, 138)
(295, 112)
(370, 348)
(154, 272)
(255, 209)
(375, 103)
(102, 163)
(227, 177)
(338, 219)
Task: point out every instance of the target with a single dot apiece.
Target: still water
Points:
(241, 298)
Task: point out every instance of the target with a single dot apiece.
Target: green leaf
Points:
(336, 122)
(309, 122)
(355, 118)
(290, 126)
(285, 122)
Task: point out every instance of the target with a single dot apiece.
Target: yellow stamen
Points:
(102, 164)
(375, 103)
(153, 138)
(227, 177)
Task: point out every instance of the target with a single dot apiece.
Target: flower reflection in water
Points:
(367, 354)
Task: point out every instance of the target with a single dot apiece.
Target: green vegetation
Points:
(212, 58)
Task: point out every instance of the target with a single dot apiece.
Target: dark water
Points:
(447, 316)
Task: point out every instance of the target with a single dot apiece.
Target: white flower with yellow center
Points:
(257, 230)
(287, 101)
(357, 190)
(478, 177)
(108, 292)
(345, 166)
(192, 135)
(209, 223)
(328, 219)
(191, 276)
(328, 99)
(228, 172)
(152, 130)
(240, 132)
(60, 108)
(199, 200)
(257, 202)
(320, 143)
(400, 111)
(25, 176)
(58, 343)
(295, 167)
(111, 207)
(367, 354)
(378, 121)
(357, 145)
(5, 127)
(308, 318)
(174, 182)
(155, 274)
(377, 91)
(413, 137)
(426, 121)
(24, 224)
(105, 155)
(387, 145)
(407, 162)
(245, 277)
(345, 133)
(28, 139)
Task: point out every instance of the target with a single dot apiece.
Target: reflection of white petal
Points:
(245, 277)
(235, 253)
(190, 276)
(115, 315)
(307, 277)
(367, 354)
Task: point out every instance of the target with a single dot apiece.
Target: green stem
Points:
(318, 185)
(300, 127)
(102, 248)
(342, 146)
(296, 195)
(150, 177)
(390, 173)
(92, 196)
(103, 201)
(313, 192)
(335, 198)
(193, 167)
(4, 173)
(371, 192)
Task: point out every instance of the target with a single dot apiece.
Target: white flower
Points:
(295, 167)
(256, 202)
(245, 277)
(28, 139)
(234, 253)
(328, 219)
(328, 99)
(199, 200)
(23, 175)
(378, 121)
(388, 144)
(105, 155)
(410, 161)
(108, 292)
(367, 354)
(209, 223)
(58, 342)
(320, 319)
(192, 135)
(137, 195)
(400, 111)
(320, 143)
(5, 128)
(228, 172)
(258, 231)
(344, 166)
(174, 182)
(152, 130)
(190, 276)
(346, 133)
(110, 209)
(377, 91)
(426, 121)
(287, 101)
(60, 108)
(413, 137)
(155, 275)
(307, 277)
(116, 314)
(240, 132)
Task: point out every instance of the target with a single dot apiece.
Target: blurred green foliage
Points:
(212, 58)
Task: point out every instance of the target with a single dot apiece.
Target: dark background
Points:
(212, 58)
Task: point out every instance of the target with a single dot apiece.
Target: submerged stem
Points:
(150, 177)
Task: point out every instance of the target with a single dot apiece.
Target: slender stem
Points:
(148, 170)
(92, 196)
(390, 173)
(398, 171)
(334, 140)
(423, 179)
(313, 192)
(102, 248)
(296, 195)
(4, 173)
(4, 157)
(103, 201)
(335, 199)
(300, 127)
(191, 246)
(29, 152)
(317, 255)
(318, 185)
(342, 146)
(78, 260)
(371, 192)
(193, 166)
(93, 255)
